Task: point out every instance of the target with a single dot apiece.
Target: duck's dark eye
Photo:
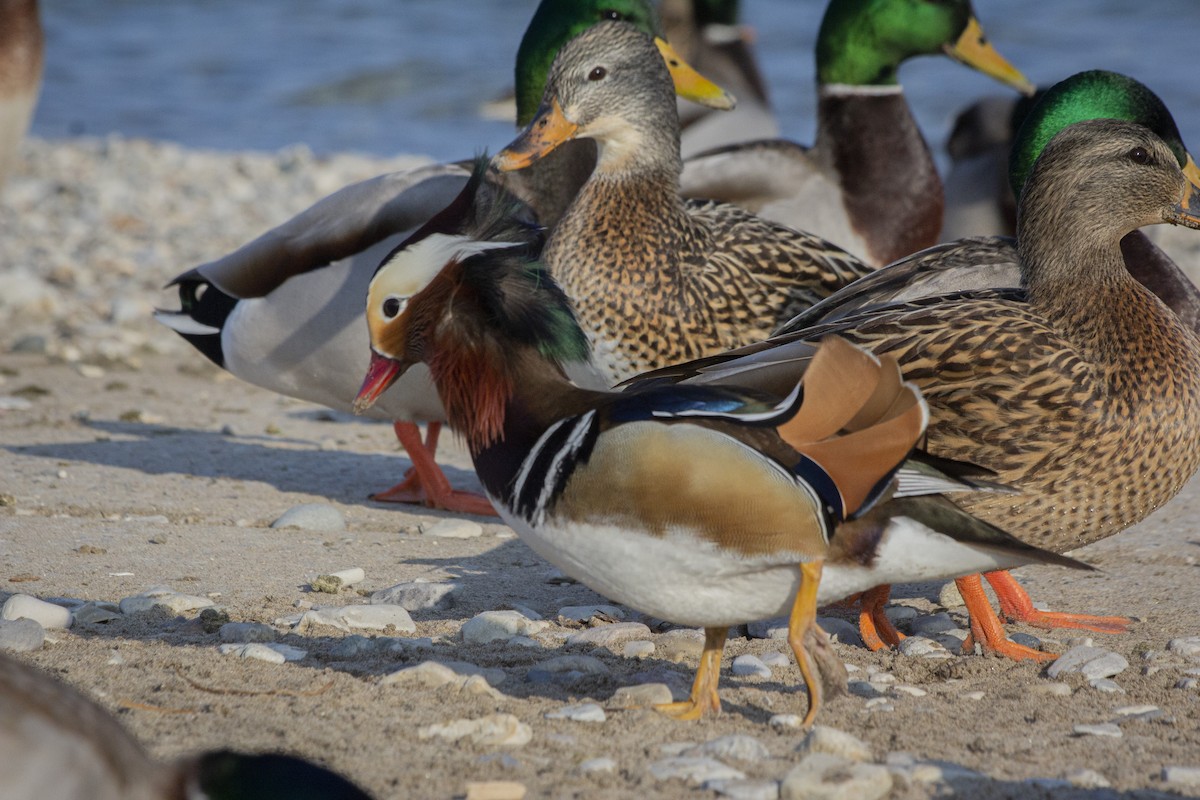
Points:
(1138, 155)
(609, 13)
(391, 307)
(597, 74)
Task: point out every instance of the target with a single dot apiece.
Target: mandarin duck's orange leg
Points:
(426, 484)
(704, 696)
(986, 627)
(876, 629)
(1016, 606)
(800, 625)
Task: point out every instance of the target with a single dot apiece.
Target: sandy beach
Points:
(129, 462)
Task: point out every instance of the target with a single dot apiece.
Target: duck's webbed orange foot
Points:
(986, 628)
(704, 697)
(1015, 606)
(877, 631)
(425, 483)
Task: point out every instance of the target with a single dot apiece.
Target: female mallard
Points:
(56, 743)
(1077, 386)
(703, 506)
(21, 48)
(657, 279)
(868, 182)
(282, 312)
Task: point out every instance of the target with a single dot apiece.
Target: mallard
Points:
(657, 279)
(56, 743)
(868, 182)
(707, 33)
(1077, 386)
(283, 311)
(21, 49)
(703, 506)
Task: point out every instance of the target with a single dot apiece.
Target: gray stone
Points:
(831, 741)
(48, 615)
(1188, 683)
(898, 614)
(931, 624)
(693, 769)
(1182, 776)
(503, 730)
(1091, 662)
(949, 596)
(768, 628)
(96, 613)
(1187, 646)
(376, 617)
(1101, 729)
(312, 517)
(644, 695)
(598, 765)
(920, 647)
(750, 666)
(840, 630)
(586, 665)
(584, 613)
(434, 675)
(165, 599)
(775, 659)
(607, 635)
(821, 776)
(862, 689)
(491, 626)
(245, 632)
(1106, 685)
(21, 635)
(454, 529)
(419, 595)
(735, 747)
(743, 788)
(254, 650)
(1057, 689)
(352, 646)
(638, 649)
(1026, 639)
(906, 690)
(583, 712)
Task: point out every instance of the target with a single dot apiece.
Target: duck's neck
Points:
(551, 184)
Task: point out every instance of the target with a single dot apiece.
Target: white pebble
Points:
(21, 635)
(253, 650)
(776, 659)
(48, 615)
(1091, 662)
(972, 695)
(454, 529)
(503, 730)
(1182, 776)
(351, 576)
(1106, 685)
(743, 788)
(434, 674)
(597, 765)
(363, 617)
(834, 742)
(491, 626)
(1101, 729)
(879, 704)
(586, 665)
(693, 770)
(906, 689)
(583, 712)
(750, 666)
(1135, 710)
(607, 635)
(419, 595)
(821, 776)
(736, 747)
(642, 695)
(639, 648)
(785, 721)
(312, 517)
(1057, 689)
(949, 596)
(919, 647)
(157, 598)
(1187, 646)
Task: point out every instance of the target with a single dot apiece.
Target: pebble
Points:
(350, 576)
(768, 628)
(255, 650)
(931, 624)
(606, 635)
(782, 722)
(491, 626)
(1101, 729)
(680, 645)
(434, 675)
(1057, 689)
(1143, 710)
(743, 788)
(642, 695)
(245, 632)
(312, 517)
(831, 741)
(162, 597)
(376, 617)
(585, 613)
(840, 630)
(776, 659)
(454, 529)
(48, 615)
(909, 769)
(920, 647)
(496, 790)
(973, 695)
(879, 704)
(1083, 778)
(821, 776)
(1187, 646)
(1106, 685)
(1091, 662)
(863, 689)
(586, 665)
(693, 769)
(750, 666)
(598, 765)
(1182, 776)
(1188, 683)
(736, 747)
(419, 595)
(639, 648)
(1026, 639)
(907, 690)
(497, 730)
(583, 712)
(949, 596)
(352, 646)
(21, 635)
(96, 612)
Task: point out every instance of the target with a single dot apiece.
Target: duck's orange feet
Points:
(986, 628)
(1016, 606)
(876, 629)
(704, 697)
(426, 484)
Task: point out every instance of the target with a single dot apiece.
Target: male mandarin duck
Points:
(656, 279)
(1074, 384)
(704, 506)
(281, 312)
(56, 743)
(21, 51)
(868, 182)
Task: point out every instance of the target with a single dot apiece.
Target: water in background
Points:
(408, 76)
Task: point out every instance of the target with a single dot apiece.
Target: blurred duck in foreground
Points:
(56, 743)
(21, 49)
(704, 506)
(284, 311)
(868, 182)
(1073, 383)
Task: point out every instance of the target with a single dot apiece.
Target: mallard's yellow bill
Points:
(549, 128)
(690, 84)
(1188, 212)
(974, 50)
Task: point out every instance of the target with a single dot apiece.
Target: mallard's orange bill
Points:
(974, 50)
(690, 84)
(1187, 213)
(549, 128)
(381, 374)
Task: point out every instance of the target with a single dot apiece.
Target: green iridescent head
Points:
(1095, 94)
(863, 42)
(716, 12)
(554, 24)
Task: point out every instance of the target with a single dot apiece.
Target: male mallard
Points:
(868, 182)
(657, 279)
(56, 743)
(704, 506)
(1077, 386)
(21, 47)
(283, 311)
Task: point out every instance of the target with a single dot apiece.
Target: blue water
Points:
(390, 76)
